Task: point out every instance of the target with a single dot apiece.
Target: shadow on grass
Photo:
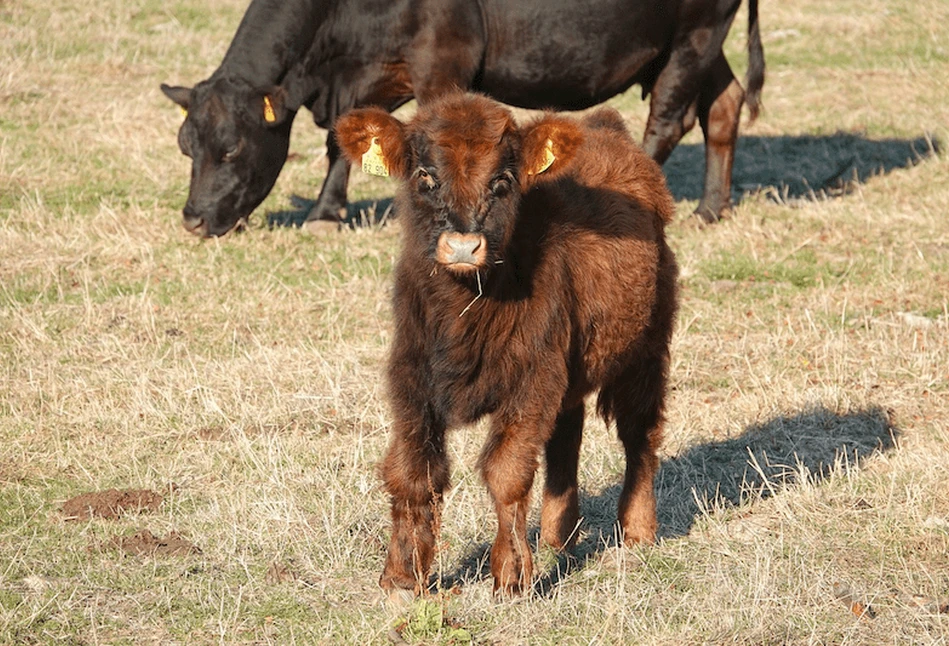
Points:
(799, 167)
(364, 213)
(784, 168)
(765, 460)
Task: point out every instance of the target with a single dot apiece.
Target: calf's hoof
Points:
(394, 582)
(639, 536)
(508, 590)
(513, 579)
(398, 602)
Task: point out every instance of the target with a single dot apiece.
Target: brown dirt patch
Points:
(111, 504)
(279, 573)
(146, 543)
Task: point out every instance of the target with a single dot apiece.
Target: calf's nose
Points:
(464, 244)
(461, 249)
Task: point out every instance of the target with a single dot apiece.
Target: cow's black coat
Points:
(332, 55)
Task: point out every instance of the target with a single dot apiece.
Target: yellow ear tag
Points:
(372, 160)
(269, 115)
(184, 112)
(547, 160)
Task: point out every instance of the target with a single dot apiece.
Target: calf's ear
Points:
(178, 94)
(375, 139)
(547, 147)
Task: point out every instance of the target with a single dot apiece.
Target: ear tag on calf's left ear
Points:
(184, 112)
(372, 160)
(547, 159)
(269, 115)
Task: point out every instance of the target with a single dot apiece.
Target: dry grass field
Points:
(230, 389)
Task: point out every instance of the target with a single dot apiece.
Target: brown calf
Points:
(533, 271)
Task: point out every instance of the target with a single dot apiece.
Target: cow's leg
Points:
(638, 396)
(666, 126)
(561, 511)
(415, 473)
(672, 103)
(331, 202)
(508, 463)
(719, 110)
(447, 51)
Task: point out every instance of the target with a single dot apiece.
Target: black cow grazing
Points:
(534, 271)
(333, 55)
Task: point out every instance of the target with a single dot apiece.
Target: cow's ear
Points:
(178, 94)
(273, 106)
(547, 147)
(374, 139)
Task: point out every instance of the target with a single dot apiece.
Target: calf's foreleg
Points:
(415, 473)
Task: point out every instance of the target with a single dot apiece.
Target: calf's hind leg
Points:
(637, 401)
(561, 510)
(508, 463)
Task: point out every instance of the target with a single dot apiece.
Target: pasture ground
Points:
(229, 390)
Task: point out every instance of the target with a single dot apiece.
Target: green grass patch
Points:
(803, 270)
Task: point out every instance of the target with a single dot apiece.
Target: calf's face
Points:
(237, 138)
(464, 164)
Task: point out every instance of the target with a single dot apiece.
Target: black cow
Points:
(333, 55)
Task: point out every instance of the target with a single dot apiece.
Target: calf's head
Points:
(464, 164)
(237, 137)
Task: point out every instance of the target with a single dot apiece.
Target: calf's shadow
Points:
(784, 168)
(765, 460)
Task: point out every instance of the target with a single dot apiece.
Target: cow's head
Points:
(237, 137)
(464, 164)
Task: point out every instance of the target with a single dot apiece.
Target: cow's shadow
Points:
(360, 214)
(784, 168)
(798, 167)
(765, 460)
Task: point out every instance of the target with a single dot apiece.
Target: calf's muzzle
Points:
(464, 252)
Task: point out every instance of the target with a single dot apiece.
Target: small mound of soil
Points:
(146, 543)
(111, 504)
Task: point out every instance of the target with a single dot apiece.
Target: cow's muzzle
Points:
(194, 223)
(200, 226)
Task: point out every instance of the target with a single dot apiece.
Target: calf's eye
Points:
(425, 180)
(501, 186)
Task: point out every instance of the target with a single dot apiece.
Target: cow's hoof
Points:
(321, 227)
(704, 216)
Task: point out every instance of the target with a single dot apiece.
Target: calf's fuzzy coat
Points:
(533, 271)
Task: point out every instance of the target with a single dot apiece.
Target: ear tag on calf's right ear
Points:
(547, 159)
(372, 160)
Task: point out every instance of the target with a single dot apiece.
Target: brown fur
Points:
(575, 291)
